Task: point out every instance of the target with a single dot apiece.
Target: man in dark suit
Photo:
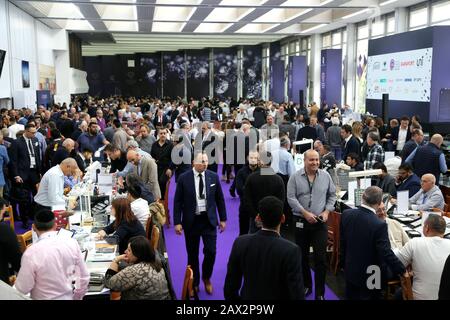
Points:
(366, 249)
(407, 180)
(351, 144)
(160, 119)
(401, 134)
(26, 169)
(209, 144)
(197, 198)
(415, 141)
(270, 265)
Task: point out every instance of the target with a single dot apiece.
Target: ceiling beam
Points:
(89, 11)
(255, 14)
(314, 12)
(145, 15)
(199, 16)
(200, 5)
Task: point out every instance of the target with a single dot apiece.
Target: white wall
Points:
(26, 39)
(5, 87)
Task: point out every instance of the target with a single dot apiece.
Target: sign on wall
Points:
(405, 76)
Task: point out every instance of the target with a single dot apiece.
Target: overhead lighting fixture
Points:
(354, 14)
(313, 28)
(387, 2)
(325, 2)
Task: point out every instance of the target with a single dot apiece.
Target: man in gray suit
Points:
(146, 168)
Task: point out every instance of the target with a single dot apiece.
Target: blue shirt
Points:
(94, 142)
(285, 163)
(4, 160)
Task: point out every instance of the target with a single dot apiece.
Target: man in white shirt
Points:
(403, 135)
(139, 206)
(14, 127)
(427, 256)
(50, 195)
(53, 268)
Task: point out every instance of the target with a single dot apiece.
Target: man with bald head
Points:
(64, 152)
(50, 195)
(146, 168)
(429, 158)
(311, 194)
(429, 196)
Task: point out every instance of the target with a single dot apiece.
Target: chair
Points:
(148, 228)
(166, 203)
(10, 217)
(188, 285)
(114, 295)
(334, 239)
(406, 284)
(155, 238)
(25, 240)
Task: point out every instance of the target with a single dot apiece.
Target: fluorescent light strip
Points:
(355, 14)
(313, 28)
(387, 2)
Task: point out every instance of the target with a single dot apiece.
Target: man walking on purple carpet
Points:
(198, 198)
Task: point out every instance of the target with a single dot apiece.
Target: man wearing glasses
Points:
(312, 194)
(26, 170)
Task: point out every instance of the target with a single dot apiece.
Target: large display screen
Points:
(405, 75)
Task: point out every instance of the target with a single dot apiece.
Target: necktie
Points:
(424, 198)
(30, 146)
(201, 186)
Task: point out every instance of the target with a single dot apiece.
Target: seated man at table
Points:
(429, 197)
(427, 257)
(354, 162)
(407, 180)
(53, 268)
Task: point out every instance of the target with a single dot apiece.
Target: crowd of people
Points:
(147, 141)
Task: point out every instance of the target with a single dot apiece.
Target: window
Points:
(326, 40)
(418, 17)
(363, 31)
(390, 25)
(336, 39)
(440, 13)
(377, 28)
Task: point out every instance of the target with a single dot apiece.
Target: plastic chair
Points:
(166, 203)
(188, 282)
(155, 238)
(334, 239)
(406, 284)
(114, 295)
(25, 240)
(10, 217)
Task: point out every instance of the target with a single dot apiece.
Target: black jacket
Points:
(364, 243)
(260, 185)
(124, 232)
(270, 266)
(20, 158)
(444, 287)
(9, 252)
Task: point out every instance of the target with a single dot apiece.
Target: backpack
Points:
(158, 213)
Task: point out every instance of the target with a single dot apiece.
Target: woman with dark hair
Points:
(125, 226)
(143, 278)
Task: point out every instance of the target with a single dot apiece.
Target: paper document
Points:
(352, 185)
(402, 201)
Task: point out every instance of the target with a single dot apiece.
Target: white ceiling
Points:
(165, 25)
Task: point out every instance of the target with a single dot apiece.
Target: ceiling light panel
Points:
(176, 12)
(256, 28)
(212, 27)
(167, 26)
(75, 25)
(59, 10)
(131, 26)
(117, 12)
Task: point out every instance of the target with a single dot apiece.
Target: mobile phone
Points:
(319, 218)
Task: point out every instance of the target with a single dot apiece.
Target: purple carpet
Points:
(178, 258)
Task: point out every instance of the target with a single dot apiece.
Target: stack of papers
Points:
(104, 252)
